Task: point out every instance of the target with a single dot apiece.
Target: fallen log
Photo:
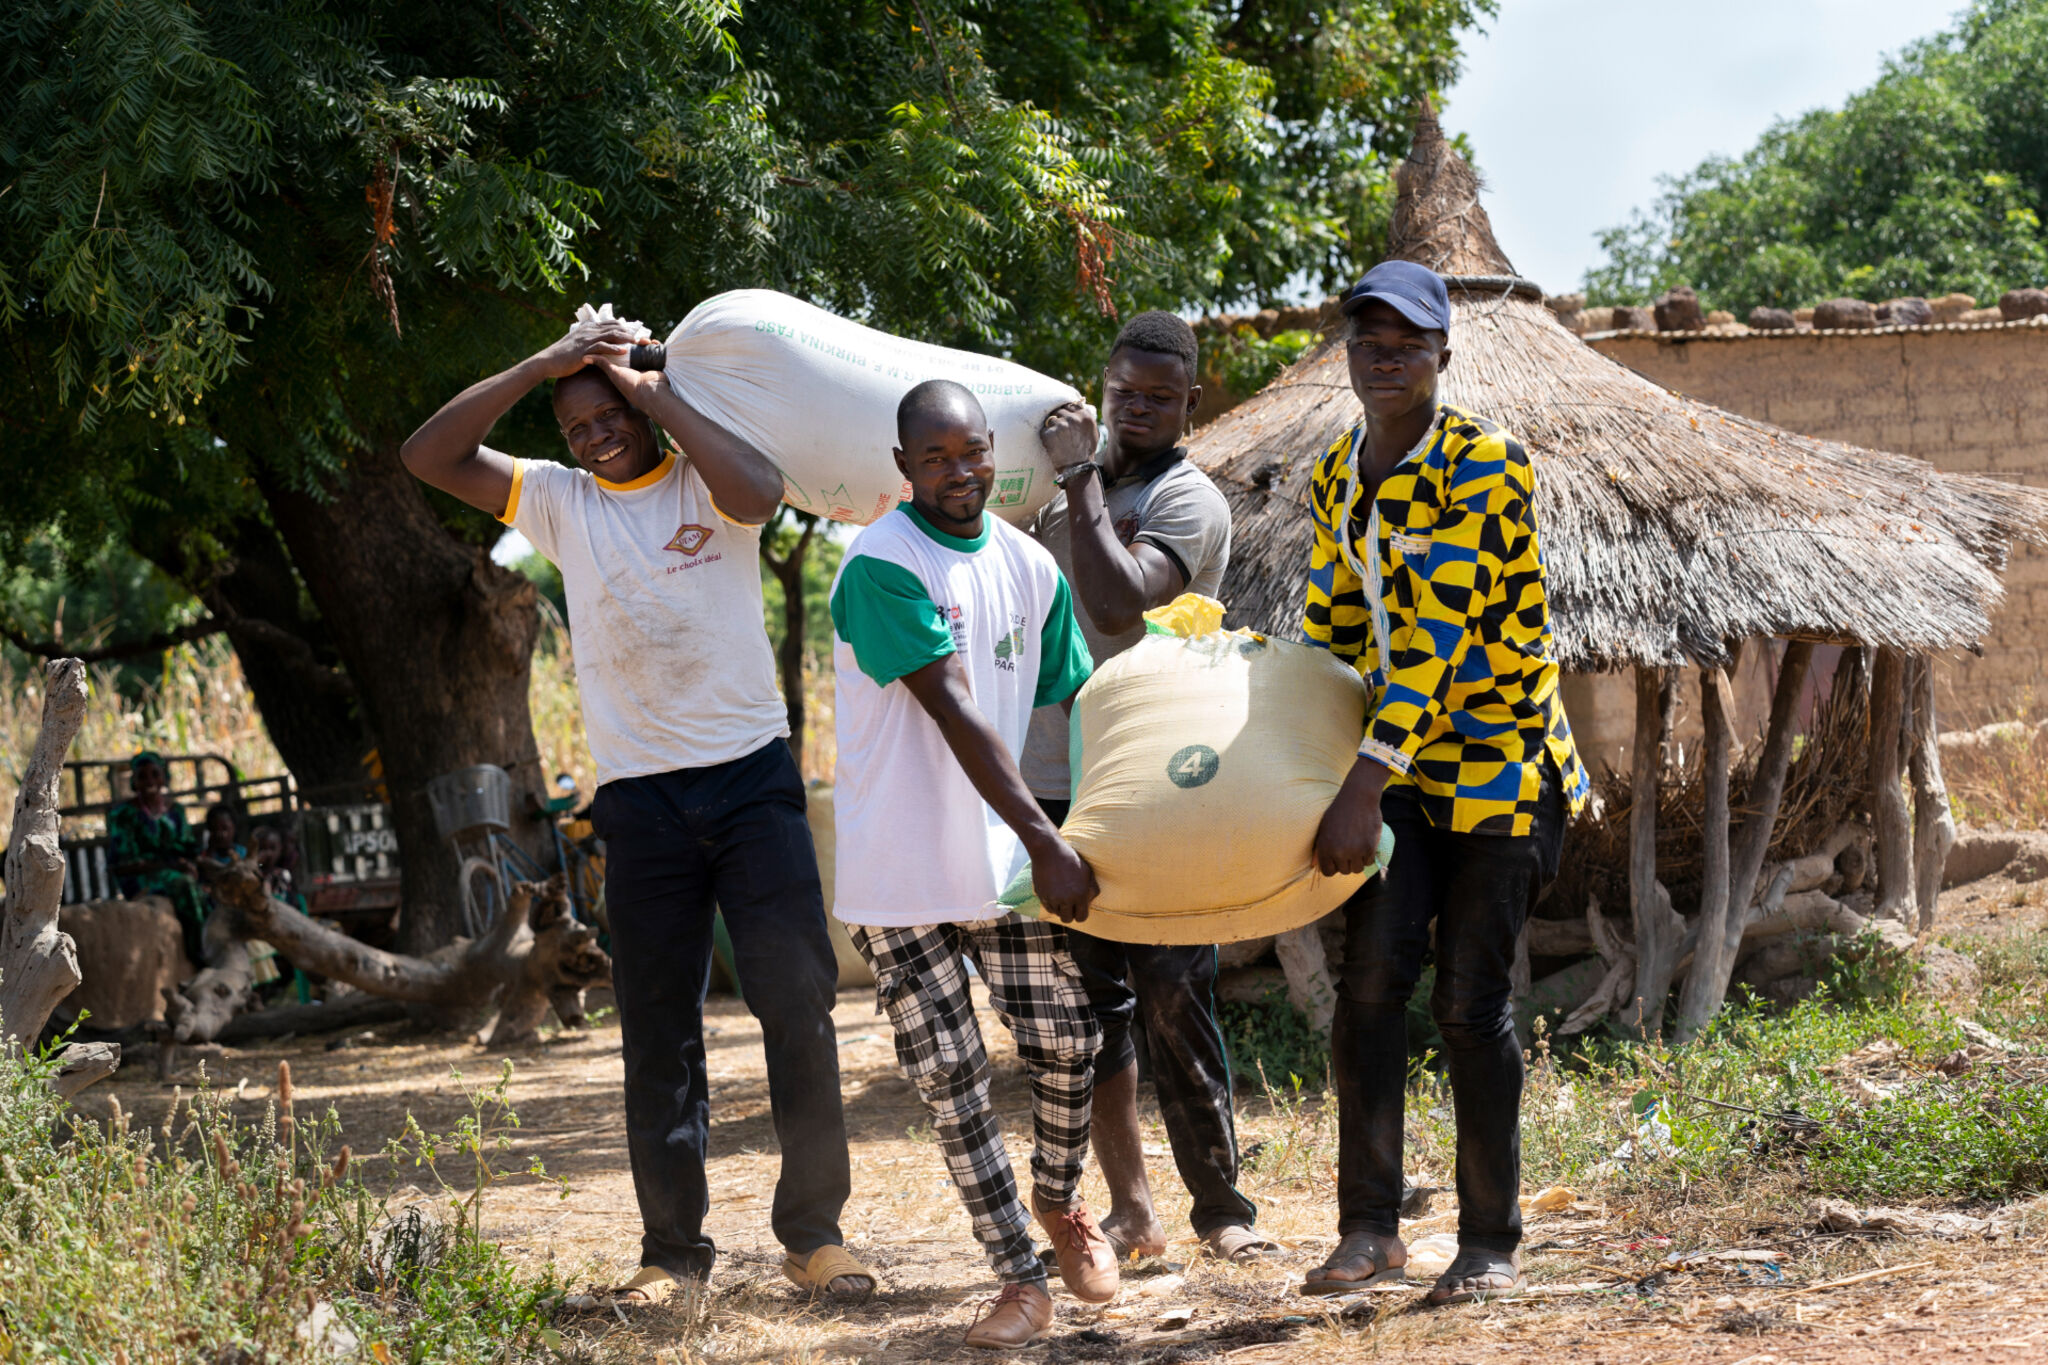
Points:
(531, 956)
(359, 1010)
(82, 1064)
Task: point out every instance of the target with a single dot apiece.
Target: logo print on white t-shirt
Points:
(689, 539)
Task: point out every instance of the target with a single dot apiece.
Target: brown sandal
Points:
(814, 1273)
(1369, 1247)
(650, 1287)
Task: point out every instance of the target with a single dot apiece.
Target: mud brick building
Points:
(1967, 398)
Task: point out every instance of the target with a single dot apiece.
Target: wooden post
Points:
(1889, 818)
(1934, 824)
(38, 963)
(1707, 982)
(1659, 930)
(1705, 989)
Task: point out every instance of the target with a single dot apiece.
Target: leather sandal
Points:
(814, 1273)
(1375, 1250)
(651, 1287)
(1239, 1245)
(1498, 1273)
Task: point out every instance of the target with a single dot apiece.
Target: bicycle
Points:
(472, 809)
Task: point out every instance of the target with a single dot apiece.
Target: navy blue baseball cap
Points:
(1414, 291)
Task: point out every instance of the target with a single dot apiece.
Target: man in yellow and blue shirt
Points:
(1427, 576)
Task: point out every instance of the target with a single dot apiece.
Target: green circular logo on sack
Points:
(1192, 766)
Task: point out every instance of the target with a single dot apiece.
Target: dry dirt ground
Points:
(1601, 1291)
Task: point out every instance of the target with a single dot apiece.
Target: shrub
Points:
(208, 1239)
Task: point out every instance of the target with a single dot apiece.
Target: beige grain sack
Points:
(1205, 766)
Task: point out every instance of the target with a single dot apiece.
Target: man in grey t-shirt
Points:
(1133, 527)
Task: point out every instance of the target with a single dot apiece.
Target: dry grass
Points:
(199, 703)
(2001, 785)
(1607, 1287)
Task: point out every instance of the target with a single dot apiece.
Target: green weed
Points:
(1272, 1038)
(1985, 1137)
(204, 1238)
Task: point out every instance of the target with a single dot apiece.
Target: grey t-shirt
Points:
(1173, 507)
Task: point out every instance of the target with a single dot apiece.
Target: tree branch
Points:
(57, 649)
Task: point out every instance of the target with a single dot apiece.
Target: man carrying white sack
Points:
(699, 803)
(950, 626)
(1427, 575)
(1132, 528)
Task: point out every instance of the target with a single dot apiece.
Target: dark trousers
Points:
(678, 846)
(1479, 889)
(1170, 991)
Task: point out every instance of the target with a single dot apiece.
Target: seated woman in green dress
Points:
(154, 848)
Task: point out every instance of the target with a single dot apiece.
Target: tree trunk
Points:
(1934, 824)
(1660, 932)
(789, 572)
(38, 962)
(306, 700)
(535, 953)
(438, 641)
(1889, 818)
(1712, 963)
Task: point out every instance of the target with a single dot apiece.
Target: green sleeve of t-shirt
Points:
(1063, 661)
(884, 612)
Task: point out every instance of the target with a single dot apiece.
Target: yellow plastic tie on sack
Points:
(1187, 616)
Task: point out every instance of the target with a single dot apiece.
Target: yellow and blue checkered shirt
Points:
(1456, 650)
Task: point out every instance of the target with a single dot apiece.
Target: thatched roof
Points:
(1670, 527)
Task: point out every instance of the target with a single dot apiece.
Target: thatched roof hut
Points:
(1670, 527)
(1672, 532)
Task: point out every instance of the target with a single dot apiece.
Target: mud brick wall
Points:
(1968, 400)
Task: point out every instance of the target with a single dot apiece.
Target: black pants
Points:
(678, 846)
(1170, 991)
(1479, 889)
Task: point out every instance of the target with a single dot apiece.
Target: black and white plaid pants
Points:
(921, 982)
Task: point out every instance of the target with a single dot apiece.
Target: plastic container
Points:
(471, 799)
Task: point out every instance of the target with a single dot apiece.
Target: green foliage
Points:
(821, 566)
(1933, 180)
(548, 579)
(1270, 1041)
(254, 238)
(1982, 1137)
(213, 1240)
(1868, 971)
(1250, 361)
(89, 595)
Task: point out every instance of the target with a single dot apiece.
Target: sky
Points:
(1574, 108)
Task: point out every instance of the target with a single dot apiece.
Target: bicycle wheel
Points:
(483, 895)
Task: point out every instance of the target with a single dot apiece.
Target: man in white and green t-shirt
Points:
(951, 626)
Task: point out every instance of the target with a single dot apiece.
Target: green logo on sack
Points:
(1012, 487)
(1192, 766)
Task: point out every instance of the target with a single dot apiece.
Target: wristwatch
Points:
(1074, 471)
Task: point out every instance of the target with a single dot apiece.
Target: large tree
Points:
(250, 244)
(1935, 179)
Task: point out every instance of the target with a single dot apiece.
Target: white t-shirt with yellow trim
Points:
(672, 658)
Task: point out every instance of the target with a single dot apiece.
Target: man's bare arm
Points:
(1114, 583)
(744, 483)
(448, 450)
(1059, 876)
